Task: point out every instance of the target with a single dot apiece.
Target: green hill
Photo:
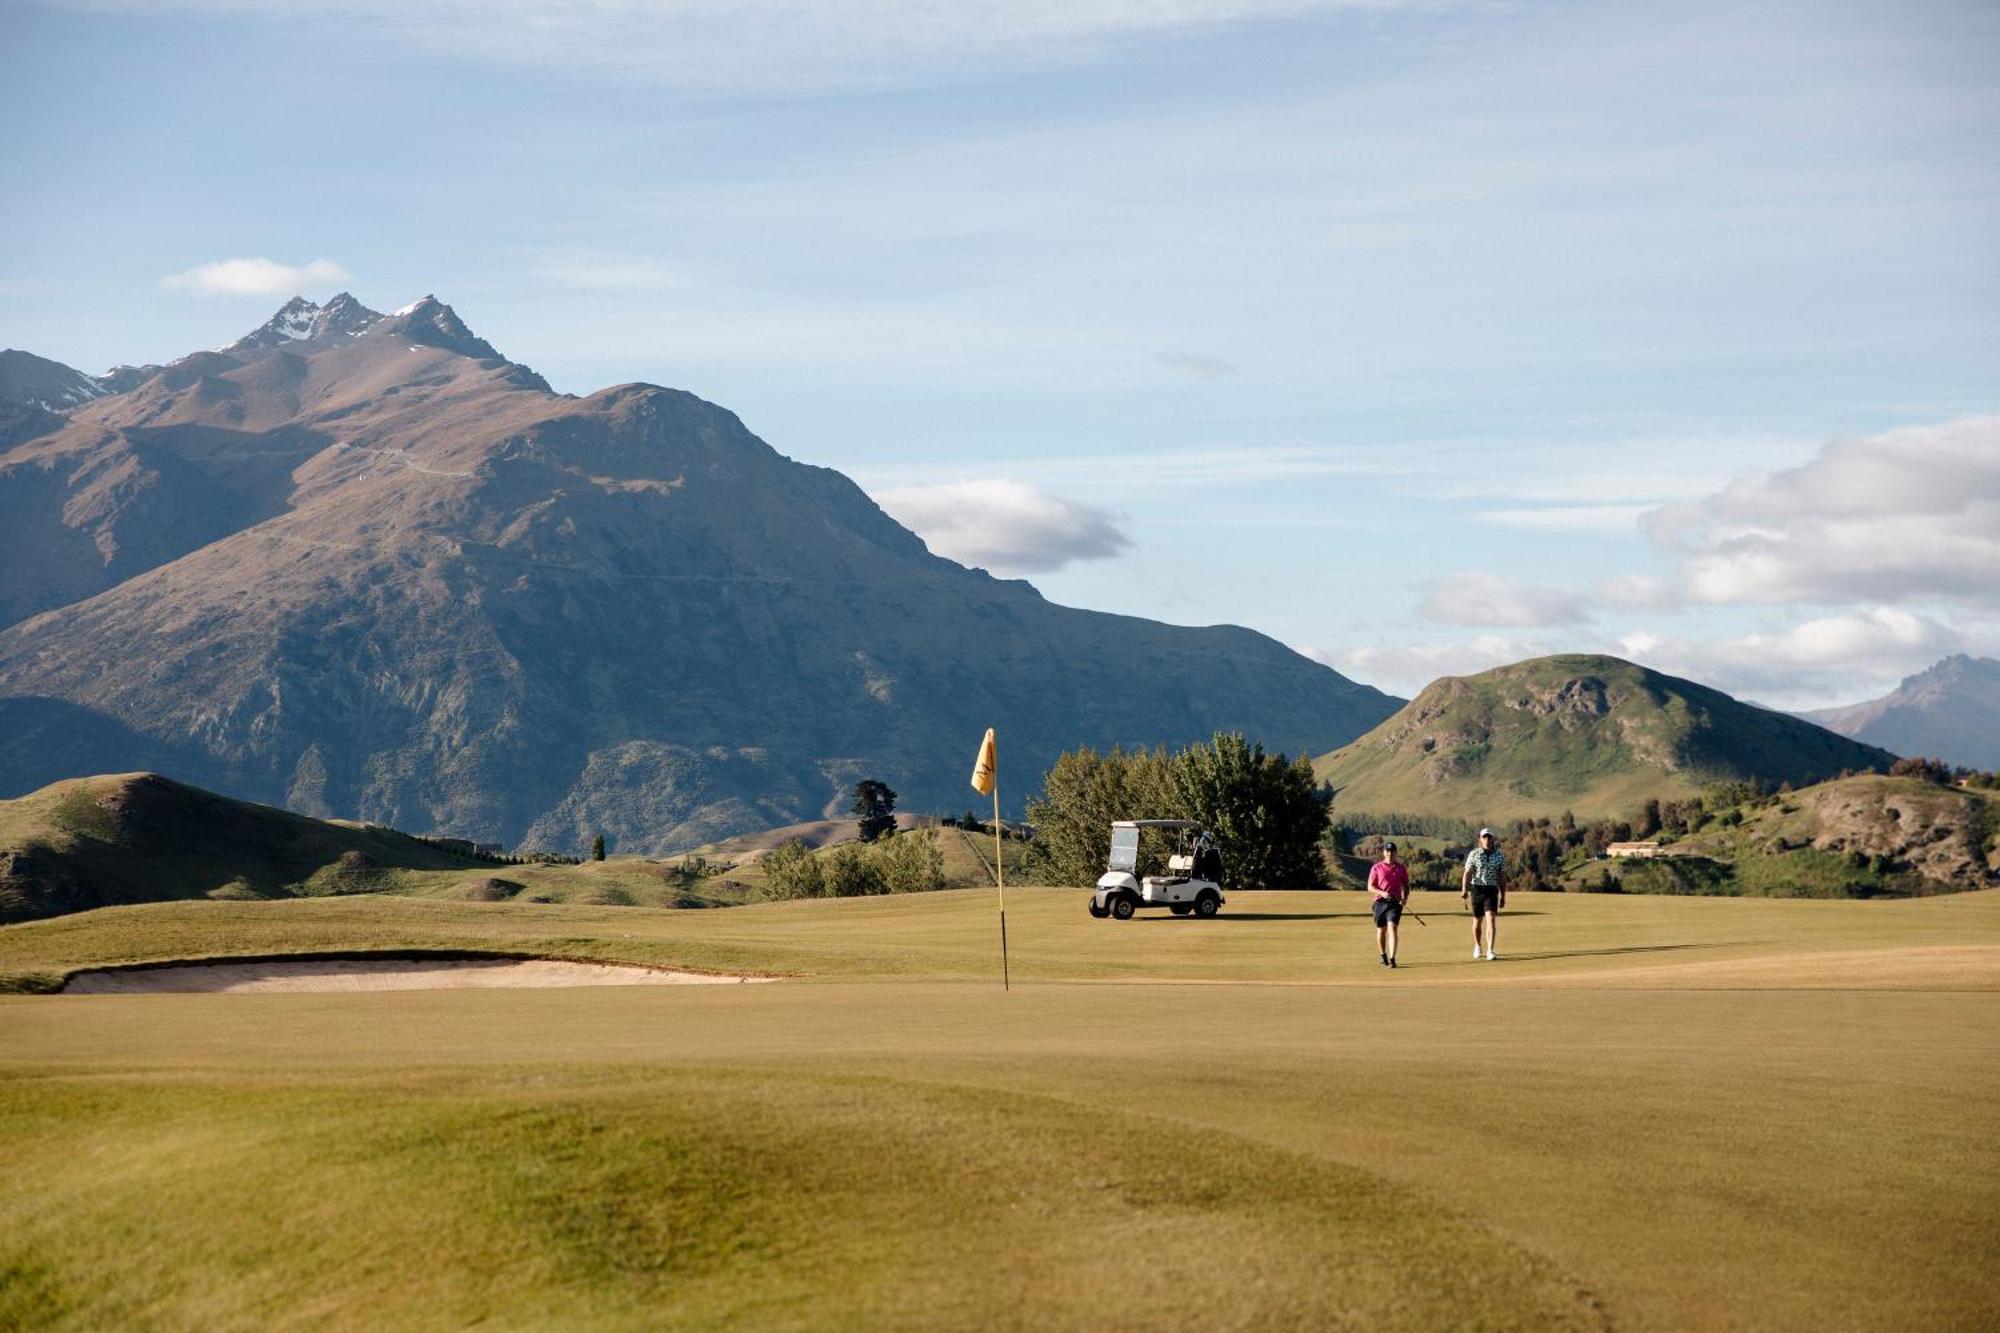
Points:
(1593, 735)
(138, 837)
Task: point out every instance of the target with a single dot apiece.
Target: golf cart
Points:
(1193, 882)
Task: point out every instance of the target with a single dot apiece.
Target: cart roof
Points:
(1154, 823)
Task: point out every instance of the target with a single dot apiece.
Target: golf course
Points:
(1649, 1113)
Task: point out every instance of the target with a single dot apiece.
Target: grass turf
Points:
(1653, 1113)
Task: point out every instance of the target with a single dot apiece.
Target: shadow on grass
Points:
(1602, 953)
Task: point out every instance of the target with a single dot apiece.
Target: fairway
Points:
(1651, 1113)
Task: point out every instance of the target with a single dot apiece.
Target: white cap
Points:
(1486, 833)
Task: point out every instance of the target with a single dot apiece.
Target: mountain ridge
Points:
(1949, 711)
(383, 572)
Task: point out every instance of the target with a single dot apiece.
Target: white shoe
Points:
(1475, 953)
(1489, 955)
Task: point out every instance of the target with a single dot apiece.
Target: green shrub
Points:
(911, 861)
(791, 871)
(851, 872)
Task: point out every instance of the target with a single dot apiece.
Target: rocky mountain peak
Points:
(300, 320)
(433, 323)
(343, 315)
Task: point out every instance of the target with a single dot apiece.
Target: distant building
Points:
(1643, 850)
(489, 849)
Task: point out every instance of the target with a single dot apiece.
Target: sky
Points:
(1419, 336)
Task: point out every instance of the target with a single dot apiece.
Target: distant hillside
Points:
(1593, 735)
(1852, 837)
(1950, 711)
(137, 838)
(361, 564)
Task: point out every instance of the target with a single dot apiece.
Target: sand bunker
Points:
(376, 974)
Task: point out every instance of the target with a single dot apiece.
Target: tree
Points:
(1268, 813)
(1929, 770)
(597, 848)
(875, 806)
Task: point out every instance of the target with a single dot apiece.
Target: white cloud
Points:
(729, 45)
(1473, 598)
(1910, 515)
(1406, 668)
(1008, 527)
(1571, 518)
(1828, 659)
(256, 277)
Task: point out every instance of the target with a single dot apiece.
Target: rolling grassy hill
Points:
(1590, 734)
(139, 837)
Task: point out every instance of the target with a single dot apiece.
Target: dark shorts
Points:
(1387, 910)
(1485, 898)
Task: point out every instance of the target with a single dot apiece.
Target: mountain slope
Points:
(137, 837)
(1950, 711)
(36, 381)
(377, 570)
(1593, 735)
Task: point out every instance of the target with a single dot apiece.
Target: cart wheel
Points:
(1098, 910)
(1123, 906)
(1207, 903)
(1180, 909)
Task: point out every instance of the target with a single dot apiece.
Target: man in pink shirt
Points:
(1389, 882)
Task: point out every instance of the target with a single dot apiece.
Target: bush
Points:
(791, 871)
(850, 872)
(911, 861)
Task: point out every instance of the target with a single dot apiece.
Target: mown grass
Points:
(702, 1198)
(1656, 1113)
(1321, 937)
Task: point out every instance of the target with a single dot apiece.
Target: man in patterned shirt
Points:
(1484, 884)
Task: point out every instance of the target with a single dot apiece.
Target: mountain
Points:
(36, 381)
(1593, 735)
(1950, 711)
(363, 565)
(138, 838)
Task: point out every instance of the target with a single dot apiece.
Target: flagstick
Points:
(1000, 882)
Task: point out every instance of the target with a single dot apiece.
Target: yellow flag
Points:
(986, 766)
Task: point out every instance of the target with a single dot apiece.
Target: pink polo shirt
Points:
(1389, 879)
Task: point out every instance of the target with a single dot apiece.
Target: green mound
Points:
(138, 837)
(706, 1199)
(1589, 734)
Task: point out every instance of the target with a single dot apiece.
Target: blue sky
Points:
(1419, 336)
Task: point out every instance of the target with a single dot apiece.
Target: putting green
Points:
(1651, 1113)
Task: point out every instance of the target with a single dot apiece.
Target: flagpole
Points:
(1000, 882)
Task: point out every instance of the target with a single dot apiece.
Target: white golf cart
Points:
(1193, 882)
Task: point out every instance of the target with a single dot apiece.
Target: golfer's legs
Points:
(1389, 931)
(1492, 930)
(1382, 939)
